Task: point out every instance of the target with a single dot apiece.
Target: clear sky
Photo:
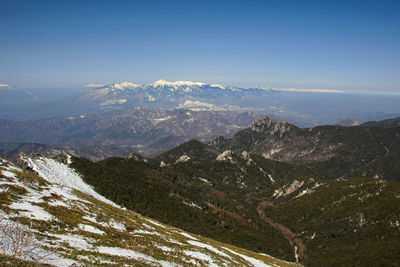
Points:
(339, 45)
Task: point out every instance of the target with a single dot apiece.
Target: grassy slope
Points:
(160, 192)
(233, 218)
(64, 235)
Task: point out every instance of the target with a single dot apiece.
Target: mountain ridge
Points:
(334, 151)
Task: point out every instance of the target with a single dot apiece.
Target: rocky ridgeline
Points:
(341, 150)
(271, 126)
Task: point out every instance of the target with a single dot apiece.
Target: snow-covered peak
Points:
(218, 86)
(125, 85)
(115, 89)
(186, 86)
(177, 84)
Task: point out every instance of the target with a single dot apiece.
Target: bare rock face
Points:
(245, 155)
(182, 158)
(137, 157)
(162, 164)
(269, 126)
(261, 137)
(226, 155)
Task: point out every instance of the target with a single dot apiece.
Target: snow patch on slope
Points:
(60, 174)
(208, 247)
(114, 102)
(63, 182)
(32, 211)
(253, 261)
(129, 253)
(288, 189)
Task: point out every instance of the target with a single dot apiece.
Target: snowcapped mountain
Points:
(301, 107)
(50, 215)
(115, 89)
(158, 91)
(169, 95)
(186, 86)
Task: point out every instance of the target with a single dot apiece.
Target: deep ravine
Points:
(296, 243)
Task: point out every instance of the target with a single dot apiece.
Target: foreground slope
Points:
(273, 207)
(62, 220)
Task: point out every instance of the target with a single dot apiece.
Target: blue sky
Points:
(341, 45)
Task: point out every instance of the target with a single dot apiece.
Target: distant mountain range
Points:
(140, 130)
(121, 118)
(152, 131)
(301, 108)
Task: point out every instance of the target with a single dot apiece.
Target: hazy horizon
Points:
(86, 87)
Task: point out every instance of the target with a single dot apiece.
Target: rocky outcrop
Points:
(226, 155)
(182, 158)
(269, 126)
